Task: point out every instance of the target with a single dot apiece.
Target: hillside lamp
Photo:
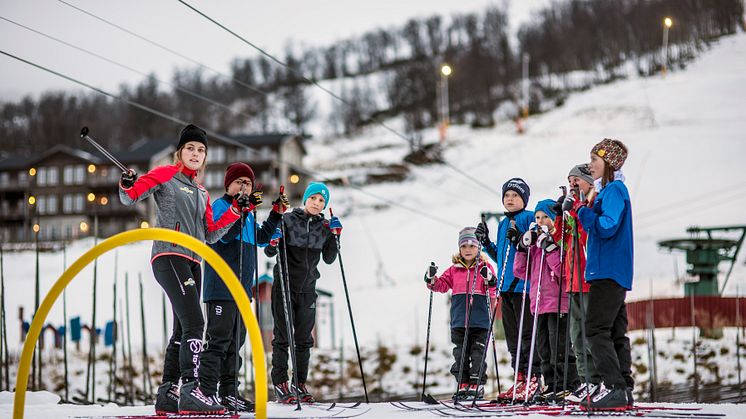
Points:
(91, 197)
(91, 168)
(667, 23)
(445, 72)
(32, 171)
(294, 179)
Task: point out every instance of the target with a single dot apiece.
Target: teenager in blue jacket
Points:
(516, 193)
(609, 272)
(218, 363)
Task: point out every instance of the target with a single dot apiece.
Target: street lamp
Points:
(667, 23)
(445, 71)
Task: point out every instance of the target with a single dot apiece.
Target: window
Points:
(41, 176)
(67, 204)
(52, 204)
(41, 205)
(67, 175)
(53, 176)
(4, 178)
(22, 177)
(216, 154)
(78, 203)
(79, 174)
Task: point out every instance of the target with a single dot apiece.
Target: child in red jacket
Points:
(469, 281)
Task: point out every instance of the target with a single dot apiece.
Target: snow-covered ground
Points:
(686, 139)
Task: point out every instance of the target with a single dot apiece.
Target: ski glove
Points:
(528, 239)
(513, 235)
(489, 279)
(335, 225)
(572, 203)
(557, 207)
(128, 179)
(248, 202)
(430, 274)
(482, 233)
(281, 204)
(275, 239)
(546, 242)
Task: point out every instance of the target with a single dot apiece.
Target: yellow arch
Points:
(217, 262)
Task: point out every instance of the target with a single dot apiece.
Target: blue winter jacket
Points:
(496, 251)
(228, 247)
(610, 241)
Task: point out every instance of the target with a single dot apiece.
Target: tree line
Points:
(390, 72)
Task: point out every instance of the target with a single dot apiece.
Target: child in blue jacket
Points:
(609, 272)
(217, 369)
(515, 193)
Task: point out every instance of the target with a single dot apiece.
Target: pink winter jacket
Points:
(550, 279)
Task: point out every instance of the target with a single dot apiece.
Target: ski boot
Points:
(460, 394)
(607, 398)
(474, 392)
(630, 398)
(581, 393)
(529, 389)
(193, 401)
(305, 395)
(167, 399)
(284, 395)
(507, 395)
(236, 404)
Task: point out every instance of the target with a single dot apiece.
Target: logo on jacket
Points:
(186, 189)
(189, 282)
(218, 310)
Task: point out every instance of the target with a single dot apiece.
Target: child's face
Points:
(193, 155)
(543, 219)
(512, 201)
(576, 182)
(315, 204)
(596, 166)
(235, 187)
(468, 252)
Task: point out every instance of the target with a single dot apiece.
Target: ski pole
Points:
(582, 318)
(520, 322)
(99, 147)
(286, 302)
(236, 316)
(570, 305)
(555, 357)
(536, 314)
(349, 309)
(424, 396)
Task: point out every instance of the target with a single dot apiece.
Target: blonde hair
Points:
(177, 159)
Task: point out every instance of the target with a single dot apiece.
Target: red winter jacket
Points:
(578, 265)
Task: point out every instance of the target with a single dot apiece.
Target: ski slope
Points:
(686, 139)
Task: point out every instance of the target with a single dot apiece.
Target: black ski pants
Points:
(474, 356)
(510, 307)
(606, 326)
(302, 310)
(181, 279)
(221, 360)
(552, 351)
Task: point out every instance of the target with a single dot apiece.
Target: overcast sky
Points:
(269, 24)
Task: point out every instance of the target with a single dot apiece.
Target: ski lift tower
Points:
(703, 256)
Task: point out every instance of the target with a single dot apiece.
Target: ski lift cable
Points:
(223, 138)
(329, 92)
(165, 48)
(101, 57)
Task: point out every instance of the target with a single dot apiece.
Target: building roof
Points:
(12, 162)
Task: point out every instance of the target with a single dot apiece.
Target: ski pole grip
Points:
(282, 189)
(331, 213)
(83, 132)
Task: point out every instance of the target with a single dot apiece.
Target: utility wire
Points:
(223, 138)
(173, 86)
(165, 48)
(332, 94)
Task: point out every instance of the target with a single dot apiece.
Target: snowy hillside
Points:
(686, 139)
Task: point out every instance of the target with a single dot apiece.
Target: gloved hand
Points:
(482, 233)
(248, 202)
(489, 279)
(335, 225)
(546, 242)
(528, 239)
(557, 207)
(572, 202)
(430, 274)
(128, 179)
(276, 236)
(281, 204)
(513, 235)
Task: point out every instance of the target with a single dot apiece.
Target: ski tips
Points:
(83, 132)
(428, 399)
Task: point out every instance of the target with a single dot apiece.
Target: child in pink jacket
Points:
(470, 315)
(547, 297)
